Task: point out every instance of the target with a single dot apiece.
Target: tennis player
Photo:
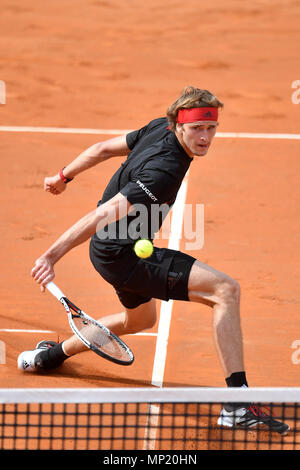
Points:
(158, 157)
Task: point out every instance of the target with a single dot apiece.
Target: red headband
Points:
(197, 114)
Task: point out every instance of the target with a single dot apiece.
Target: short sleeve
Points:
(133, 137)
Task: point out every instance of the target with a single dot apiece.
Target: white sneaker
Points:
(250, 417)
(27, 360)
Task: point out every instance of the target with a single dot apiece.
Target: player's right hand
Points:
(54, 184)
(43, 271)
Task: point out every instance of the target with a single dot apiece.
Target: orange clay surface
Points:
(117, 65)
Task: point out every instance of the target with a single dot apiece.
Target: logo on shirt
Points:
(147, 191)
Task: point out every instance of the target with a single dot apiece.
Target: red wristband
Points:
(63, 178)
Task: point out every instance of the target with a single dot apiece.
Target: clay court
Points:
(112, 66)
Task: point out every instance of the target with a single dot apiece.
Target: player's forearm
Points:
(87, 159)
(74, 236)
(95, 154)
(82, 230)
(43, 271)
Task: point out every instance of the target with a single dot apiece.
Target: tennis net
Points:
(142, 419)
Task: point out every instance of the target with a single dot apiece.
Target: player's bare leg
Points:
(222, 293)
(129, 321)
(49, 355)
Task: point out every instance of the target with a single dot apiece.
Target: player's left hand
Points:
(54, 184)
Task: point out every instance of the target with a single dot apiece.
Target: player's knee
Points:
(139, 325)
(141, 318)
(228, 291)
(149, 322)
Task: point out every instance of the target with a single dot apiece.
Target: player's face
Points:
(197, 137)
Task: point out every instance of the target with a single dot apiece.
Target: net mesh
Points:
(140, 419)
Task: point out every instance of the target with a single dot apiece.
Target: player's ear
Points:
(179, 128)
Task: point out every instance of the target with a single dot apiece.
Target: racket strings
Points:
(100, 338)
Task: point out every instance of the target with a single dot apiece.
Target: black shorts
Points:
(163, 276)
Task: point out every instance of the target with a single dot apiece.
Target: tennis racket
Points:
(93, 334)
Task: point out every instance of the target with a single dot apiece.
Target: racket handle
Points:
(54, 290)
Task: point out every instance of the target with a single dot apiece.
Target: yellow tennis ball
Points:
(143, 248)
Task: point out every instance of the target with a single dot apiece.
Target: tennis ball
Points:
(143, 248)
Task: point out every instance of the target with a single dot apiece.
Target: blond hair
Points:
(191, 97)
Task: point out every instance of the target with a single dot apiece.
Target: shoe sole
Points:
(227, 422)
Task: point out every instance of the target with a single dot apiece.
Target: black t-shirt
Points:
(150, 179)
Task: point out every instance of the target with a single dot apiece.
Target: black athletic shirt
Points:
(149, 178)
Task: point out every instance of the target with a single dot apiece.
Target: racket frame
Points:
(69, 306)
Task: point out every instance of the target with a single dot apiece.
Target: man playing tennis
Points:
(159, 156)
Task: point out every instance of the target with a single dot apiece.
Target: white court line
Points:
(70, 130)
(62, 130)
(166, 307)
(142, 334)
(164, 322)
(13, 330)
(253, 135)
